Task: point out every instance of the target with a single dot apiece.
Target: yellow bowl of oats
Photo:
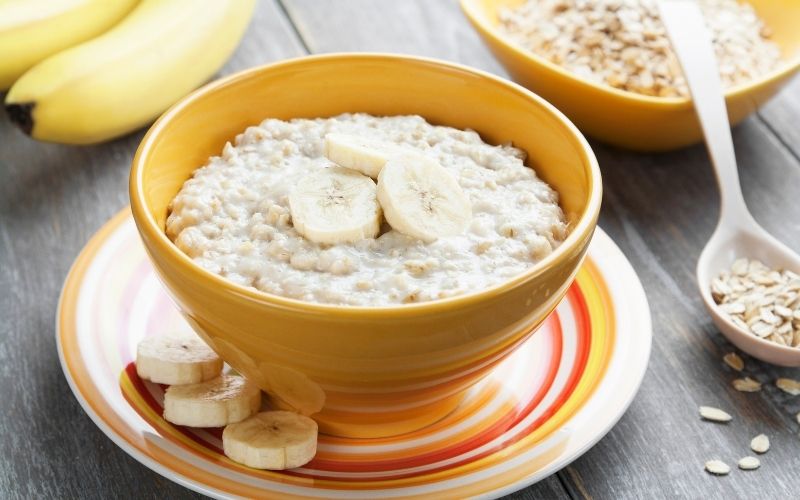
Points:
(609, 67)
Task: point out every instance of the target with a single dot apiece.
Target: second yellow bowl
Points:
(628, 119)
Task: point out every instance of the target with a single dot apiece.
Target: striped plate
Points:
(539, 410)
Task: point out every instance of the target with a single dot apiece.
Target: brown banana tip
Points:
(22, 115)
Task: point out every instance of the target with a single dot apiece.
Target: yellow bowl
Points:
(371, 371)
(627, 119)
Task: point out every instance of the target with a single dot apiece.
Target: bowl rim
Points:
(583, 226)
(485, 27)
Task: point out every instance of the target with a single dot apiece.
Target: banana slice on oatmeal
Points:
(335, 205)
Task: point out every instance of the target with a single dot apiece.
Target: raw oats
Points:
(734, 361)
(760, 300)
(623, 43)
(749, 463)
(746, 385)
(789, 386)
(717, 467)
(760, 444)
(714, 414)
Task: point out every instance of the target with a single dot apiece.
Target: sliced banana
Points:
(275, 440)
(335, 205)
(292, 390)
(222, 401)
(421, 199)
(365, 154)
(176, 359)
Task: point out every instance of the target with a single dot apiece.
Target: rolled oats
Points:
(749, 463)
(734, 361)
(714, 414)
(746, 385)
(760, 300)
(622, 43)
(760, 444)
(788, 386)
(717, 467)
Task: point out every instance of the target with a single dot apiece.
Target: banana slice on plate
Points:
(225, 400)
(176, 359)
(365, 154)
(274, 440)
(421, 199)
(335, 205)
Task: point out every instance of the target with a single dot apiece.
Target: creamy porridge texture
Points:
(233, 216)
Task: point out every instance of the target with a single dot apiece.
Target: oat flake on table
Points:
(760, 444)
(717, 467)
(789, 386)
(746, 385)
(714, 414)
(749, 463)
(734, 361)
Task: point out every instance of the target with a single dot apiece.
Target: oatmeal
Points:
(622, 43)
(233, 217)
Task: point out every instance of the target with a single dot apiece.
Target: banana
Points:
(274, 440)
(335, 205)
(31, 30)
(126, 77)
(364, 154)
(176, 359)
(421, 199)
(224, 400)
(292, 390)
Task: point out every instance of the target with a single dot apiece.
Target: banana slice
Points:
(335, 205)
(292, 390)
(421, 199)
(365, 154)
(176, 359)
(274, 440)
(222, 401)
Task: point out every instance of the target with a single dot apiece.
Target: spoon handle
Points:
(691, 42)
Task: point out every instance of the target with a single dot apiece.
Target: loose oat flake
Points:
(734, 361)
(749, 463)
(717, 467)
(789, 386)
(746, 385)
(714, 414)
(760, 444)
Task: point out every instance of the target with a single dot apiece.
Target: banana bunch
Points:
(85, 71)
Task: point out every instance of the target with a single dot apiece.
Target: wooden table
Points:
(660, 209)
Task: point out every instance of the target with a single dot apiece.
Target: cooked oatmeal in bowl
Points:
(289, 208)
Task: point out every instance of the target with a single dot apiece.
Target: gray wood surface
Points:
(659, 209)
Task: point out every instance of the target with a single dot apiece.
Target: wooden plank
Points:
(782, 116)
(52, 199)
(439, 29)
(660, 209)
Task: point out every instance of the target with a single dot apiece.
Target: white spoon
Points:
(737, 233)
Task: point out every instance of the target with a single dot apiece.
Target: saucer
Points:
(539, 410)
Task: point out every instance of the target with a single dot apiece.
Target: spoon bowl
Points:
(737, 235)
(726, 245)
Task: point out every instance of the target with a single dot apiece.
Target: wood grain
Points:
(52, 199)
(660, 209)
